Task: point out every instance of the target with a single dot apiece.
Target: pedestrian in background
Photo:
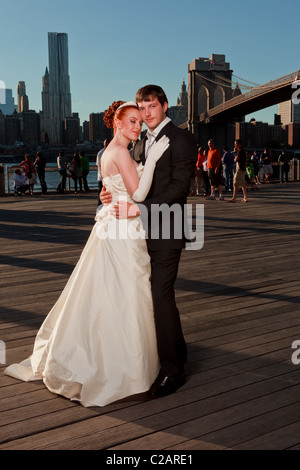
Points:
(30, 172)
(40, 165)
(77, 172)
(228, 162)
(199, 171)
(206, 184)
(62, 164)
(214, 166)
(268, 169)
(284, 160)
(85, 168)
(20, 185)
(240, 172)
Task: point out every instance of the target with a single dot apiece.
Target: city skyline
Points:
(111, 54)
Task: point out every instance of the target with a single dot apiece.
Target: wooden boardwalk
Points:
(239, 304)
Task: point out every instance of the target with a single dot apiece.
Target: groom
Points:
(170, 185)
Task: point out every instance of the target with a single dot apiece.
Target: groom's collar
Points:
(157, 130)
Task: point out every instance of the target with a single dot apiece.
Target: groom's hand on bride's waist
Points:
(125, 210)
(105, 196)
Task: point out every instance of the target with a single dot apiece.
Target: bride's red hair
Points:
(113, 113)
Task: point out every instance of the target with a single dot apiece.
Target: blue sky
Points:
(117, 46)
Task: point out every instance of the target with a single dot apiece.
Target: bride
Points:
(98, 343)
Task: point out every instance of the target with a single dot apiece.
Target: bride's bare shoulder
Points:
(115, 152)
(121, 153)
(115, 158)
(122, 157)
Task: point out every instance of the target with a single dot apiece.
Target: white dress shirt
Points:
(20, 180)
(151, 136)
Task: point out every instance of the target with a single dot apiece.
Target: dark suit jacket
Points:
(170, 185)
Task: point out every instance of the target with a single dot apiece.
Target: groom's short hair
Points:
(148, 92)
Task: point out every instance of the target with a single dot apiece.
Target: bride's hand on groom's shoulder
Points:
(105, 196)
(158, 148)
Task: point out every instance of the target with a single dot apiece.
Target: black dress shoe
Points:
(166, 385)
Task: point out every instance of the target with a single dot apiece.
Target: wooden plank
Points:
(166, 419)
(238, 299)
(279, 439)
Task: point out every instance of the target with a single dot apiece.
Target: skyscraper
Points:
(23, 103)
(7, 102)
(31, 132)
(45, 113)
(289, 112)
(56, 96)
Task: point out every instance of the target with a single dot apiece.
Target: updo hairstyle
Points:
(113, 113)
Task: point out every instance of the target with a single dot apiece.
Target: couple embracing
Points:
(115, 330)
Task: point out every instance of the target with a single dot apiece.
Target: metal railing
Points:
(7, 172)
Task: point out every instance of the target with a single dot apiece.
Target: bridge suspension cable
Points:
(227, 80)
(239, 78)
(272, 84)
(244, 80)
(230, 84)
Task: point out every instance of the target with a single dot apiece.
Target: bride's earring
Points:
(119, 133)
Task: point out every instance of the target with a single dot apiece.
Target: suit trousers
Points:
(171, 345)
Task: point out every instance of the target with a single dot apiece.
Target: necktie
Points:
(150, 136)
(149, 142)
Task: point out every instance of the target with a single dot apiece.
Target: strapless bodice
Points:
(116, 186)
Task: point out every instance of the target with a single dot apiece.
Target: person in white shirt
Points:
(62, 165)
(20, 184)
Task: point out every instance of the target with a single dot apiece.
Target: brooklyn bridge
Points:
(214, 105)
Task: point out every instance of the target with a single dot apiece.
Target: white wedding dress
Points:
(98, 343)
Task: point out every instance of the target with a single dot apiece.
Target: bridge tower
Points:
(210, 84)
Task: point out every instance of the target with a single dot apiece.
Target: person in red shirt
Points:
(30, 172)
(214, 169)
